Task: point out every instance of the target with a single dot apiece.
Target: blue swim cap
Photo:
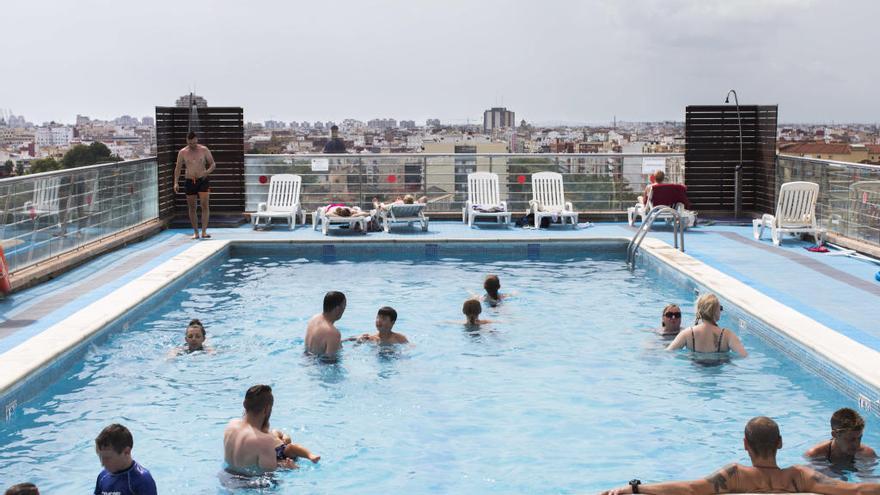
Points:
(877, 276)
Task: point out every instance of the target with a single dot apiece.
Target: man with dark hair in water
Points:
(322, 337)
(847, 427)
(23, 489)
(249, 448)
(199, 164)
(761, 441)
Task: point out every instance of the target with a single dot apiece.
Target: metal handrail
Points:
(677, 232)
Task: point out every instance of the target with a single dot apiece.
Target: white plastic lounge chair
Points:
(45, 202)
(402, 213)
(549, 199)
(283, 201)
(795, 213)
(641, 209)
(484, 199)
(327, 220)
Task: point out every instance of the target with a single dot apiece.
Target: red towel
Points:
(817, 249)
(669, 195)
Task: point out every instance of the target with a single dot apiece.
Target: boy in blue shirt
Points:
(121, 474)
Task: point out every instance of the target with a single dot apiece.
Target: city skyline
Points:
(584, 62)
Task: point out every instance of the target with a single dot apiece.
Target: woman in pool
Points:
(472, 309)
(706, 335)
(195, 339)
(670, 321)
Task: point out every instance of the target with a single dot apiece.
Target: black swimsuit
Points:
(694, 341)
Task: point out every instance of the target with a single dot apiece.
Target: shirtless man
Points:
(322, 338)
(199, 165)
(847, 427)
(761, 441)
(384, 323)
(248, 446)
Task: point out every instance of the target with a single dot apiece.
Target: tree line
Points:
(78, 156)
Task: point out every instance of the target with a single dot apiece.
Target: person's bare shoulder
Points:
(867, 451)
(817, 450)
(401, 339)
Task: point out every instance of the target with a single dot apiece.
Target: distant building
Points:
(187, 101)
(432, 123)
(126, 121)
(382, 124)
(148, 121)
(53, 136)
(498, 118)
(407, 124)
(273, 124)
(82, 120)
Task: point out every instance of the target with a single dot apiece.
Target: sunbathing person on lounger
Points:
(344, 211)
(409, 199)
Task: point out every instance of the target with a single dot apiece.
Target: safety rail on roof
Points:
(645, 227)
(48, 214)
(593, 181)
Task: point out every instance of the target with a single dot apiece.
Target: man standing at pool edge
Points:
(761, 441)
(199, 165)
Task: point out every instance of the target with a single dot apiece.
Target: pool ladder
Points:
(677, 232)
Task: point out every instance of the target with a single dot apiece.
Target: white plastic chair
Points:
(795, 213)
(326, 221)
(283, 201)
(549, 199)
(403, 213)
(483, 198)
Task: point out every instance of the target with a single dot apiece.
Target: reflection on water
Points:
(861, 469)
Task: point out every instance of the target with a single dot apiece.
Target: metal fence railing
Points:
(593, 182)
(849, 194)
(47, 214)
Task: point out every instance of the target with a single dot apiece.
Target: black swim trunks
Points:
(195, 186)
(279, 452)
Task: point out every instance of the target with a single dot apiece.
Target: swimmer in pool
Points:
(472, 309)
(385, 319)
(195, 339)
(322, 338)
(706, 335)
(847, 427)
(248, 446)
(492, 285)
(670, 321)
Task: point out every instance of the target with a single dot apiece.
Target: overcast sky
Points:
(578, 61)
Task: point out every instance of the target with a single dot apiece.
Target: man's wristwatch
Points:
(634, 484)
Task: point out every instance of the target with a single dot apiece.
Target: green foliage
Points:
(19, 168)
(44, 165)
(8, 168)
(82, 155)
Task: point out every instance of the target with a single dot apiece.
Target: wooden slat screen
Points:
(712, 152)
(221, 129)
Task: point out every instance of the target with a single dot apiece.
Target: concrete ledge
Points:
(858, 359)
(40, 351)
(52, 267)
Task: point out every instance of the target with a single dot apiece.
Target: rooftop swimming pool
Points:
(568, 391)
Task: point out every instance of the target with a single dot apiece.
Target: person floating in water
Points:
(322, 338)
(847, 427)
(250, 448)
(472, 309)
(121, 474)
(761, 441)
(385, 319)
(199, 164)
(706, 335)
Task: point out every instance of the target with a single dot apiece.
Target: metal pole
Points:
(737, 193)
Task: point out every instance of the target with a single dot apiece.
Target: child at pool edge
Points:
(847, 427)
(385, 319)
(292, 450)
(472, 309)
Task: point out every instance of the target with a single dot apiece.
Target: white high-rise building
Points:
(53, 136)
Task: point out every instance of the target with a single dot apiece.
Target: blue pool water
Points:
(567, 392)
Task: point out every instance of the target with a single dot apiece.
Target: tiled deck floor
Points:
(837, 291)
